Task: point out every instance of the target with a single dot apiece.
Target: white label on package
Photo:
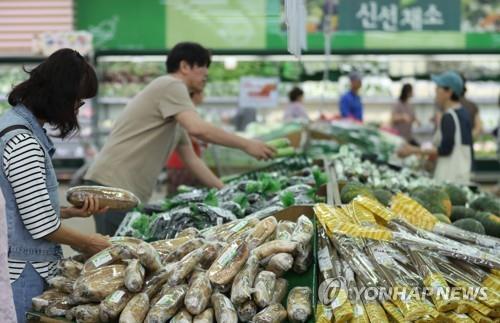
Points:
(228, 255)
(116, 296)
(102, 259)
(324, 260)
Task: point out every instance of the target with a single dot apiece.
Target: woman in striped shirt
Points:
(52, 95)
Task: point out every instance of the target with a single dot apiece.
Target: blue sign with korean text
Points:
(399, 15)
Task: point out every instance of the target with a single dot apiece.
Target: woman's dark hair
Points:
(454, 97)
(406, 90)
(192, 53)
(54, 88)
(295, 94)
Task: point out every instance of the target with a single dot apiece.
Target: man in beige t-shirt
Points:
(155, 122)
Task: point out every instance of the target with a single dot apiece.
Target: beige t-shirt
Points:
(143, 137)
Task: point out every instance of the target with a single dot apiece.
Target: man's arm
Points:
(477, 127)
(197, 167)
(197, 127)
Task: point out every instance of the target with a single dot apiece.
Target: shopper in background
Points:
(177, 173)
(350, 102)
(453, 139)
(472, 108)
(403, 115)
(155, 122)
(295, 110)
(7, 310)
(52, 95)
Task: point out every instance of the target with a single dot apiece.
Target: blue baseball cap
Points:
(450, 80)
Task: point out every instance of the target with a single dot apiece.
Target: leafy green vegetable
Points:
(253, 187)
(211, 198)
(287, 198)
(269, 185)
(242, 200)
(320, 178)
(279, 143)
(285, 152)
(141, 224)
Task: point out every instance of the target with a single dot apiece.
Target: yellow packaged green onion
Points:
(439, 295)
(411, 308)
(324, 314)
(342, 308)
(479, 318)
(459, 318)
(393, 312)
(360, 315)
(413, 212)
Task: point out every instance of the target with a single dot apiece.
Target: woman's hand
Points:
(89, 208)
(94, 243)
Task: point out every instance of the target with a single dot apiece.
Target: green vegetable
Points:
(456, 194)
(461, 212)
(470, 225)
(287, 198)
(383, 196)
(352, 190)
(320, 178)
(211, 198)
(434, 199)
(285, 152)
(486, 204)
(490, 222)
(242, 200)
(442, 218)
(269, 185)
(279, 143)
(253, 187)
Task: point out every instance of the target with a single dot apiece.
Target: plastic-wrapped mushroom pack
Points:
(187, 280)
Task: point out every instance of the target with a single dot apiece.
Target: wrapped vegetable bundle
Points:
(194, 280)
(114, 198)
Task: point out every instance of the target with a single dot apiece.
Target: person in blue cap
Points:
(350, 102)
(453, 138)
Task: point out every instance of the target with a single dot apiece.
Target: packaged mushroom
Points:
(206, 317)
(111, 307)
(299, 306)
(168, 305)
(113, 198)
(134, 276)
(229, 263)
(264, 288)
(199, 293)
(136, 309)
(223, 308)
(275, 313)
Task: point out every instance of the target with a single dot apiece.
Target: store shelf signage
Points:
(396, 15)
(258, 92)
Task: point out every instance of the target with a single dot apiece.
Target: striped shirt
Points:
(24, 165)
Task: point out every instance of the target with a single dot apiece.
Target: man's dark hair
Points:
(54, 89)
(405, 92)
(454, 97)
(193, 53)
(295, 94)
